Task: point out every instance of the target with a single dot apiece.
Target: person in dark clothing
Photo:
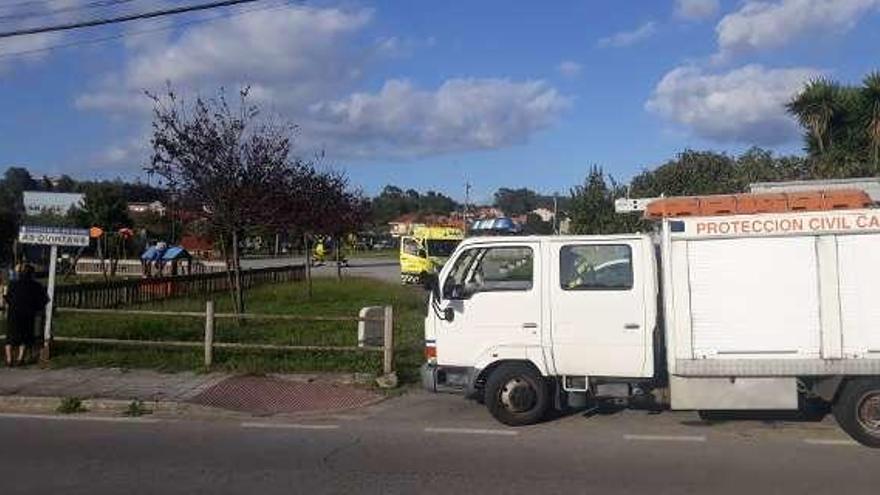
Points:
(25, 298)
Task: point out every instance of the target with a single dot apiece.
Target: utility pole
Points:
(555, 215)
(467, 200)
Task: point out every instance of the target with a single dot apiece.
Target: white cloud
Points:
(460, 115)
(303, 51)
(628, 38)
(763, 25)
(33, 48)
(745, 105)
(307, 64)
(569, 68)
(27, 48)
(696, 10)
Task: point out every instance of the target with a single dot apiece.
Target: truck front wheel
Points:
(857, 410)
(516, 394)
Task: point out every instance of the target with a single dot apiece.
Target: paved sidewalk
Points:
(261, 395)
(106, 383)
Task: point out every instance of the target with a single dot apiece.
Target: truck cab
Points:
(425, 251)
(576, 308)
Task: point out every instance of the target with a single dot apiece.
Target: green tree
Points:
(536, 226)
(15, 181)
(436, 203)
(592, 207)
(65, 184)
(871, 98)
(815, 107)
(690, 173)
(18, 180)
(516, 201)
(393, 202)
(228, 162)
(8, 226)
(104, 206)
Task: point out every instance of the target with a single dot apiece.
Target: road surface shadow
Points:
(813, 414)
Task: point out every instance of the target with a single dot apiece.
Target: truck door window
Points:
(459, 271)
(596, 267)
(410, 246)
(441, 248)
(501, 269)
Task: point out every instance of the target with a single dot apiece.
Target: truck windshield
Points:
(441, 248)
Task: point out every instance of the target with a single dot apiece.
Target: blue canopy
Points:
(174, 253)
(171, 253)
(151, 254)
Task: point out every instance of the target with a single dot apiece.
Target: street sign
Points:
(627, 205)
(53, 236)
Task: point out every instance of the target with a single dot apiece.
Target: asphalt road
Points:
(423, 443)
(387, 269)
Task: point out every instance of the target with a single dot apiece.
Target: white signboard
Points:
(37, 202)
(803, 223)
(53, 236)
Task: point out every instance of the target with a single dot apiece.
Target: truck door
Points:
(601, 322)
(495, 295)
(411, 261)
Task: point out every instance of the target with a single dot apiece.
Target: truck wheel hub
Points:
(517, 395)
(869, 412)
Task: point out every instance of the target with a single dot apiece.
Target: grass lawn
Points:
(385, 254)
(330, 298)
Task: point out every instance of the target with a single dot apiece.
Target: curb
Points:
(169, 410)
(102, 407)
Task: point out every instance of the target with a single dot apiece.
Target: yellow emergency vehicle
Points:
(425, 251)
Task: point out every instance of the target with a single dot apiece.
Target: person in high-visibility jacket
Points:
(320, 252)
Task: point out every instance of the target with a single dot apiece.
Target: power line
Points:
(93, 41)
(28, 3)
(45, 13)
(37, 4)
(119, 19)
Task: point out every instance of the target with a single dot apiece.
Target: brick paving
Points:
(105, 383)
(276, 395)
(263, 395)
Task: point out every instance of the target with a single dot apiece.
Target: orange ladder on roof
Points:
(745, 204)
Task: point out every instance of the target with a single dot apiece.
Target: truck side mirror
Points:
(431, 283)
(455, 292)
(423, 253)
(448, 314)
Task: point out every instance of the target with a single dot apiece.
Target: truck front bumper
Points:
(450, 379)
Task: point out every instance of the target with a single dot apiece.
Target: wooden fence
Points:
(209, 344)
(97, 295)
(133, 268)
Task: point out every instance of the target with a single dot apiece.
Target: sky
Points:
(434, 95)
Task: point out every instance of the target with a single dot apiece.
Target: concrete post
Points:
(50, 306)
(209, 333)
(388, 342)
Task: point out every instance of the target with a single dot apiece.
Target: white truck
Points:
(741, 312)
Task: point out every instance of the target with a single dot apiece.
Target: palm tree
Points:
(871, 92)
(814, 108)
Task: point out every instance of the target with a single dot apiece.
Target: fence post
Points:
(209, 333)
(388, 342)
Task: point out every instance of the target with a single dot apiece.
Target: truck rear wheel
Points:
(516, 394)
(857, 410)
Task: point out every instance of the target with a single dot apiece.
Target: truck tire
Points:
(516, 394)
(857, 410)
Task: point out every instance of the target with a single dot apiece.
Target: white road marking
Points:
(828, 441)
(472, 431)
(106, 419)
(665, 438)
(290, 426)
